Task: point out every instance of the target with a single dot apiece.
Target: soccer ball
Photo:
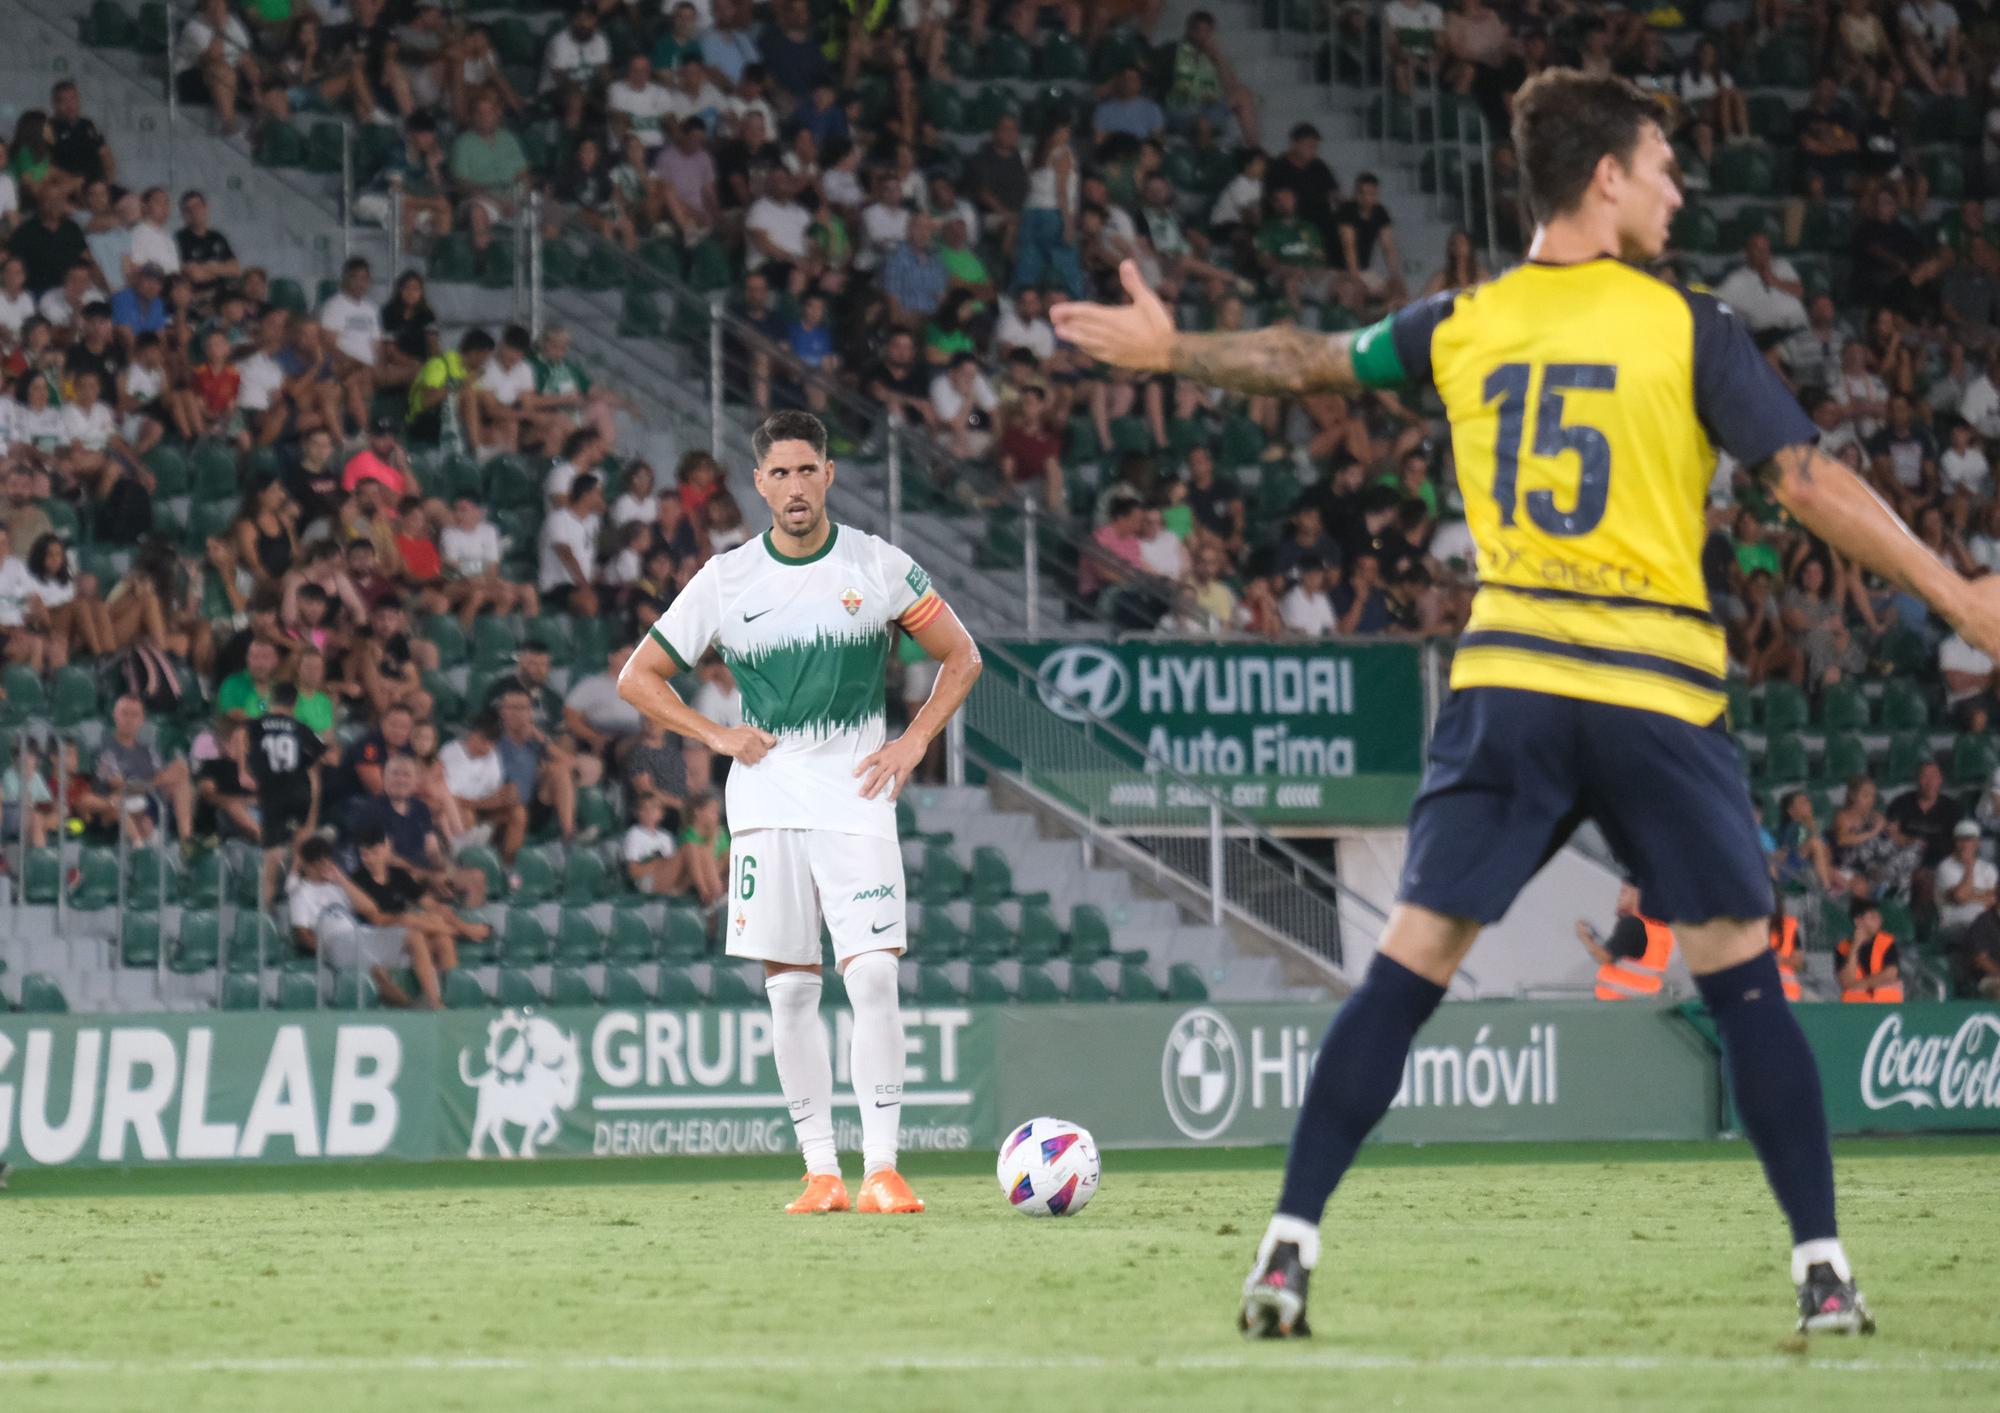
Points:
(1049, 1168)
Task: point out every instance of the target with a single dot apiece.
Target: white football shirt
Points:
(808, 642)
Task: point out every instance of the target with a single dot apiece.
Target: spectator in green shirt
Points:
(1289, 249)
(486, 161)
(314, 708)
(1753, 551)
(682, 43)
(705, 845)
(564, 384)
(962, 266)
(247, 694)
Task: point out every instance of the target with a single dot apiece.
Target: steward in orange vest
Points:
(1868, 961)
(1785, 942)
(1632, 962)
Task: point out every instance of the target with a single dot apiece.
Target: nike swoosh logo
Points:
(753, 617)
(883, 928)
(887, 1103)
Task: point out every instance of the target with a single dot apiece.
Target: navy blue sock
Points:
(1360, 1068)
(1775, 1083)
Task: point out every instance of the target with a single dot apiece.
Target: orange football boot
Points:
(885, 1191)
(825, 1192)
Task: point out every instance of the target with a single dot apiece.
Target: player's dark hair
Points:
(1565, 123)
(788, 426)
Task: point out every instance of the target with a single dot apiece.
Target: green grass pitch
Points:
(1552, 1278)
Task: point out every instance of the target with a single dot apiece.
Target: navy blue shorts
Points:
(1513, 773)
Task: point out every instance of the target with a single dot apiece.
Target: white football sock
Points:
(1294, 1229)
(877, 1060)
(1808, 1254)
(805, 1066)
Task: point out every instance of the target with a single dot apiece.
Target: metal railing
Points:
(1116, 791)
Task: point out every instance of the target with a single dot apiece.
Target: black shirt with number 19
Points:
(283, 752)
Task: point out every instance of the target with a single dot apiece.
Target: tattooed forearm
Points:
(1283, 360)
(1844, 511)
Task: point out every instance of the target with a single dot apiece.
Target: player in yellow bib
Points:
(1587, 399)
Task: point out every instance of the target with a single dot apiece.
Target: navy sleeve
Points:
(1411, 328)
(1745, 406)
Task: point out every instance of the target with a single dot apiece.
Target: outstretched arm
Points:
(1282, 360)
(1842, 509)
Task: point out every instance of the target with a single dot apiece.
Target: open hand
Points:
(1138, 335)
(892, 766)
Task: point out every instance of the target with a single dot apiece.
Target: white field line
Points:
(1268, 1361)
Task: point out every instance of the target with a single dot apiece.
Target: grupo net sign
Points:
(1298, 733)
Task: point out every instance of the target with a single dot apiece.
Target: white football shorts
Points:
(782, 882)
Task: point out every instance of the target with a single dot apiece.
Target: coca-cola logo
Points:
(1957, 1071)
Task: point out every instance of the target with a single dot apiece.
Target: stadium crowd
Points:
(213, 488)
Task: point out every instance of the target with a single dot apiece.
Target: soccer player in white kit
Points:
(805, 616)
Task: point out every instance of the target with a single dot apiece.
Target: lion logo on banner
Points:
(533, 1073)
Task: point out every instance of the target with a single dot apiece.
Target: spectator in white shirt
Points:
(63, 306)
(965, 404)
(569, 550)
(777, 229)
(152, 242)
(17, 306)
(508, 403)
(216, 63)
(1931, 43)
(1765, 290)
(640, 103)
(1965, 882)
(1161, 548)
(1024, 323)
(594, 713)
(1981, 404)
(1812, 355)
(577, 56)
(478, 786)
(1863, 397)
(581, 451)
(469, 548)
(717, 696)
(1307, 610)
(1964, 466)
(1968, 681)
(651, 861)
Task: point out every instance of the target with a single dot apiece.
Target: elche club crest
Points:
(850, 599)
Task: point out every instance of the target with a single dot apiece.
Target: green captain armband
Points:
(1377, 365)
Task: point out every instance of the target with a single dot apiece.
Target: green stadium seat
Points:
(516, 989)
(1744, 170)
(639, 316)
(676, 988)
(353, 991)
(523, 939)
(1038, 988)
(214, 468)
(1771, 117)
(139, 939)
(1040, 937)
(1089, 934)
(1898, 921)
(943, 106)
(1846, 756)
(97, 883)
(1946, 170)
(938, 934)
(1062, 59)
(570, 987)
(443, 631)
(1086, 986)
(324, 140)
(255, 943)
(632, 939)
(142, 879)
(935, 988)
(44, 879)
(41, 996)
(488, 863)
(279, 144)
(1242, 443)
(1904, 707)
(1130, 434)
(622, 988)
(988, 988)
(1742, 706)
(1184, 983)
(1696, 230)
(729, 987)
(586, 876)
(1842, 707)
(1135, 983)
(535, 876)
(21, 696)
(1006, 56)
(990, 938)
(1972, 761)
(494, 642)
(578, 939)
(992, 876)
(170, 472)
(1784, 707)
(1784, 761)
(684, 939)
(199, 943)
(595, 819)
(943, 876)
(242, 993)
(462, 992)
(298, 991)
